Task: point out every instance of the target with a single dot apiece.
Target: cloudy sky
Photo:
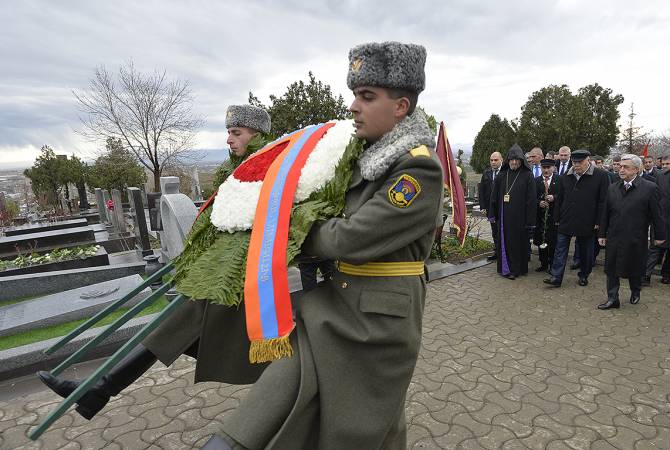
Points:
(483, 57)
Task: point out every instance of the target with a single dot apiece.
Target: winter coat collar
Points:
(407, 134)
(589, 171)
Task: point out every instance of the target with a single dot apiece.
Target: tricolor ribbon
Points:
(267, 299)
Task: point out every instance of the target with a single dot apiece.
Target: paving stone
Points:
(455, 436)
(582, 438)
(129, 440)
(154, 435)
(503, 365)
(110, 433)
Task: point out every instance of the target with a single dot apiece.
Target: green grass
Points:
(18, 300)
(28, 337)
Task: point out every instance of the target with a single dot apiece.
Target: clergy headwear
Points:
(516, 152)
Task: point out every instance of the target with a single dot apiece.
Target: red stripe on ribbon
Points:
(279, 269)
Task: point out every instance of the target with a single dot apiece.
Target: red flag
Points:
(452, 182)
(645, 151)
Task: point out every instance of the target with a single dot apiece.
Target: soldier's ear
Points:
(402, 106)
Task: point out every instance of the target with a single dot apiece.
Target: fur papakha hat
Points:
(387, 64)
(248, 116)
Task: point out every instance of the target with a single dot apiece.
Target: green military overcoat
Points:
(357, 338)
(214, 334)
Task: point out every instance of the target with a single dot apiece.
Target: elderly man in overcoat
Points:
(581, 199)
(661, 253)
(358, 334)
(546, 187)
(632, 205)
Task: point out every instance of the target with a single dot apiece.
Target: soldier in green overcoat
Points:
(212, 333)
(358, 333)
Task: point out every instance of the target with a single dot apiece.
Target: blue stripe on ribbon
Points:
(265, 280)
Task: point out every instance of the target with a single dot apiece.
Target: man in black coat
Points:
(546, 187)
(581, 199)
(632, 205)
(485, 189)
(513, 210)
(658, 252)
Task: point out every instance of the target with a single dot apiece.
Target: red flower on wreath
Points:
(110, 205)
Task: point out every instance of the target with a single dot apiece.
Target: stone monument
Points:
(100, 202)
(177, 213)
(142, 243)
(196, 191)
(120, 220)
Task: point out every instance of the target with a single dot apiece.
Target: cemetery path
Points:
(504, 364)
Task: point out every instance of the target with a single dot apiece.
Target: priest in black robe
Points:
(513, 209)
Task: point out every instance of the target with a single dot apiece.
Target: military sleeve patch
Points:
(404, 191)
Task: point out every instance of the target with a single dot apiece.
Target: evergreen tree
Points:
(302, 104)
(117, 168)
(495, 135)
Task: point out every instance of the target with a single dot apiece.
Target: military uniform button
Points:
(344, 285)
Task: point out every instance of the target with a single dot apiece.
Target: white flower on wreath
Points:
(235, 203)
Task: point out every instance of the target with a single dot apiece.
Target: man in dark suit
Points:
(658, 252)
(632, 205)
(484, 194)
(650, 171)
(546, 186)
(563, 163)
(581, 199)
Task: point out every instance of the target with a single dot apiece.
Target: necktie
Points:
(626, 186)
(536, 170)
(495, 174)
(546, 184)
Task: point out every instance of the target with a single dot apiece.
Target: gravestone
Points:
(177, 213)
(196, 191)
(142, 243)
(67, 306)
(120, 220)
(100, 202)
(44, 226)
(46, 240)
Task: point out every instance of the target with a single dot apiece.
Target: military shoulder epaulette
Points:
(422, 150)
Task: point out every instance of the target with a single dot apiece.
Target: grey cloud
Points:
(226, 49)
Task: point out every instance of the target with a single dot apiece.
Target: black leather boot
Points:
(122, 375)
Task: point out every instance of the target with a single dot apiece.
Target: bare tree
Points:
(632, 138)
(152, 115)
(661, 144)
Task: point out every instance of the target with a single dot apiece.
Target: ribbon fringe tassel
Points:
(267, 350)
